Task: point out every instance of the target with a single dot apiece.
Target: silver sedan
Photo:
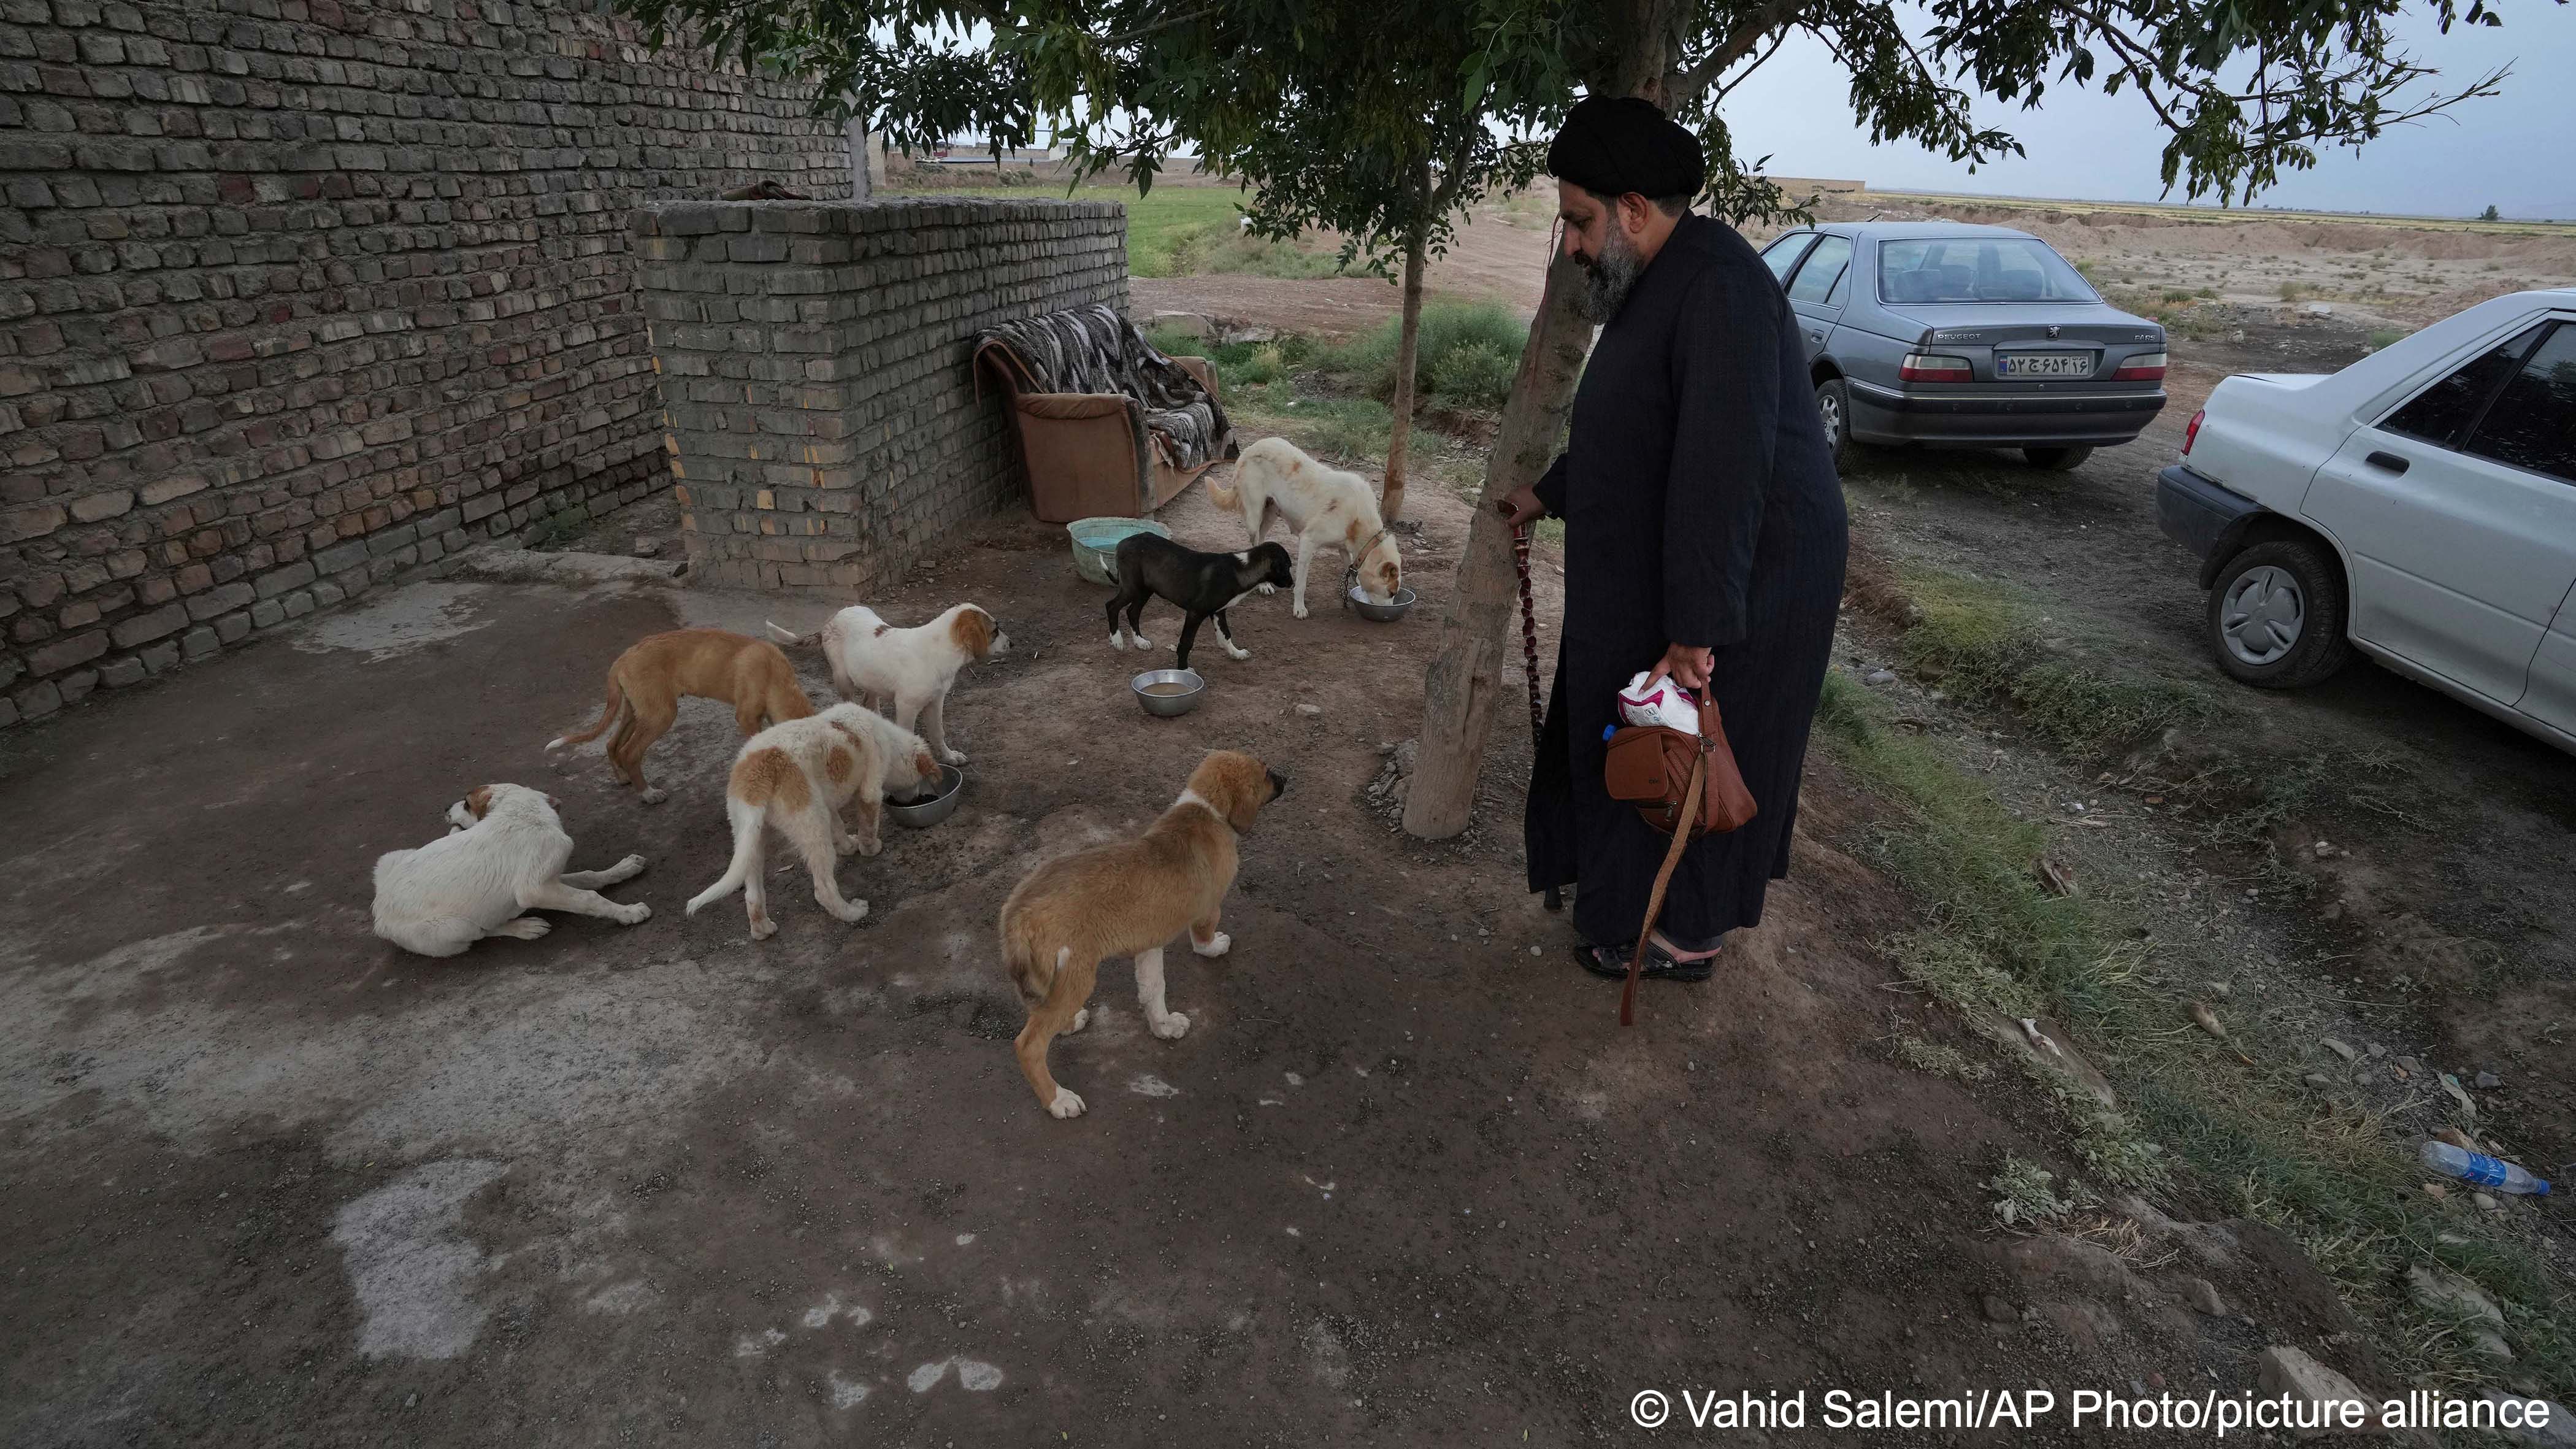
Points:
(1948, 335)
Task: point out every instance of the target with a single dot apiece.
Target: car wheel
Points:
(1833, 406)
(2276, 616)
(2056, 460)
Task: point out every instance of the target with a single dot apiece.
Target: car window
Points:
(1977, 269)
(2532, 422)
(1823, 267)
(1784, 253)
(2442, 413)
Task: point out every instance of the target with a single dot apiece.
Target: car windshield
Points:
(1977, 269)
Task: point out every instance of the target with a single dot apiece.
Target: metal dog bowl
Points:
(927, 810)
(1155, 689)
(1386, 613)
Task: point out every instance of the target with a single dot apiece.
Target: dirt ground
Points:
(2438, 914)
(270, 1180)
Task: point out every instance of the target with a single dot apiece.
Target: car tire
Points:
(2276, 615)
(1833, 408)
(2057, 460)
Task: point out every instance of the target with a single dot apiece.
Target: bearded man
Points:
(1704, 539)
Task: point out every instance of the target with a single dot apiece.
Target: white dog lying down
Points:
(506, 856)
(798, 776)
(875, 663)
(1327, 507)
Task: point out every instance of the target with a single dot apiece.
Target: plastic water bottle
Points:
(2478, 1169)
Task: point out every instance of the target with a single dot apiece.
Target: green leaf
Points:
(1479, 79)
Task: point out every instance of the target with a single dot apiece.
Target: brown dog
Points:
(647, 681)
(1128, 899)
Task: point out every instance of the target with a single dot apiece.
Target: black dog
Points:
(1204, 585)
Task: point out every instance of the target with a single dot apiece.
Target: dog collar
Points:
(1351, 565)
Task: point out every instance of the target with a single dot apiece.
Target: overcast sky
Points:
(2512, 151)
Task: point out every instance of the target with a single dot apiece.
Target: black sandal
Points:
(1612, 962)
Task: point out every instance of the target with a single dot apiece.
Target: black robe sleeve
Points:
(1550, 488)
(1723, 441)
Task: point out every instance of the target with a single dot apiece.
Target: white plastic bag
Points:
(1662, 703)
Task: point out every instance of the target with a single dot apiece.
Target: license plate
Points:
(2044, 364)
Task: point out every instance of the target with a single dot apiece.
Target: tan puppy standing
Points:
(905, 672)
(1128, 899)
(798, 777)
(1327, 507)
(647, 681)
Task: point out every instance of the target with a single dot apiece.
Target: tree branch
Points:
(1738, 44)
(1779, 37)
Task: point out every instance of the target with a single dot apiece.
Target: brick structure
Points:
(823, 422)
(297, 293)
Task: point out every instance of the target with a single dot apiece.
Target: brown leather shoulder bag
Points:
(1674, 779)
(1650, 767)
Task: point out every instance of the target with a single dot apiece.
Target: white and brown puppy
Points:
(505, 857)
(1128, 899)
(906, 672)
(798, 777)
(1327, 508)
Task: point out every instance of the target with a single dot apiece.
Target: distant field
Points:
(2212, 215)
(1167, 220)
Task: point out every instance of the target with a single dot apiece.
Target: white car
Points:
(2419, 506)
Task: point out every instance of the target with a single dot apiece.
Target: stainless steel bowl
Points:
(1386, 613)
(937, 806)
(1169, 704)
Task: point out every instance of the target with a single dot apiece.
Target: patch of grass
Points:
(1181, 231)
(2114, 1146)
(1157, 220)
(1992, 940)
(1224, 247)
(2025, 1192)
(1238, 364)
(2293, 291)
(1268, 363)
(2177, 309)
(2252, 799)
(1465, 356)
(1986, 641)
(2382, 337)
(1344, 431)
(1939, 1060)
(1474, 374)
(2338, 1182)
(1273, 386)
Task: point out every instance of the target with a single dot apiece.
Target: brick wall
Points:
(823, 423)
(297, 293)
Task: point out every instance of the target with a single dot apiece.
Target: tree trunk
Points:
(1407, 359)
(1459, 690)
(1466, 677)
(861, 184)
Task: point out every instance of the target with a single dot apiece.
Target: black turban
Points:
(1612, 145)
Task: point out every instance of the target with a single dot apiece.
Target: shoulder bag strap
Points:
(1663, 878)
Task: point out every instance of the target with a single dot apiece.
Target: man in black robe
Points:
(1704, 539)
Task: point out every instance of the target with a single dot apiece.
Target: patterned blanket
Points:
(1096, 350)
